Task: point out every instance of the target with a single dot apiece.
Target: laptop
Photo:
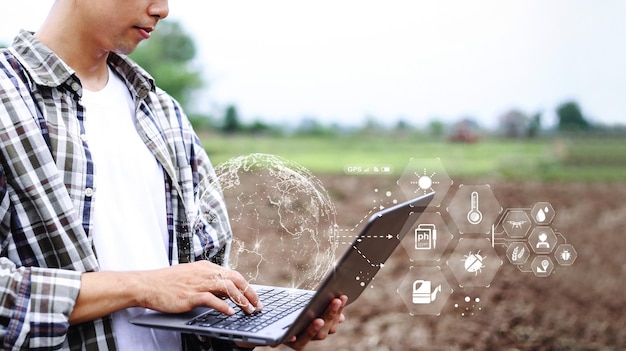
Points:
(286, 311)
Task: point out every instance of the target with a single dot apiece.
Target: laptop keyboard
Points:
(277, 303)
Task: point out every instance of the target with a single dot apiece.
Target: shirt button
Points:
(75, 86)
(89, 192)
(83, 137)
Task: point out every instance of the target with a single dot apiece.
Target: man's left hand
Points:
(321, 327)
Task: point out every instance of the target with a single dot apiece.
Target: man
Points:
(99, 176)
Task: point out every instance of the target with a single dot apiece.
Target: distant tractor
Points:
(464, 131)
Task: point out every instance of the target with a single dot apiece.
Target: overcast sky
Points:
(343, 60)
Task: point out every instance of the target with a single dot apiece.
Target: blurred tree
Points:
(201, 122)
(258, 127)
(571, 118)
(371, 126)
(310, 126)
(436, 128)
(535, 125)
(514, 124)
(403, 125)
(168, 56)
(2, 45)
(231, 121)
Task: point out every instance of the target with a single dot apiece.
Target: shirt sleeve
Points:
(36, 305)
(211, 226)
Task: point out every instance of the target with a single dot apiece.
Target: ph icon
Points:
(426, 237)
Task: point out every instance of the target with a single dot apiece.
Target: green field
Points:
(553, 159)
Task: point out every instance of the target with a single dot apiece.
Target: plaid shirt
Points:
(47, 194)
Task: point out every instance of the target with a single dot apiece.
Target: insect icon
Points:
(566, 255)
(516, 224)
(474, 262)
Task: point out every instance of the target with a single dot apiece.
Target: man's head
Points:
(110, 25)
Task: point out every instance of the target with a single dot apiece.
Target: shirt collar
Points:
(47, 69)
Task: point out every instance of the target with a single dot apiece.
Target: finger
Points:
(241, 292)
(335, 326)
(321, 327)
(247, 290)
(309, 334)
(331, 317)
(210, 300)
(235, 294)
(230, 283)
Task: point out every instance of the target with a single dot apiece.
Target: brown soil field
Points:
(580, 307)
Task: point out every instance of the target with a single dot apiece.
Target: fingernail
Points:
(231, 311)
(259, 306)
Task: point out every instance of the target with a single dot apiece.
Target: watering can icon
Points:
(422, 293)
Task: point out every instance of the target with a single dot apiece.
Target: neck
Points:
(63, 33)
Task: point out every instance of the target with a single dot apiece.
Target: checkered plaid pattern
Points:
(47, 194)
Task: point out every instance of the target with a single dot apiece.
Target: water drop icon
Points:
(541, 215)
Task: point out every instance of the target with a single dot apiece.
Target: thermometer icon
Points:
(474, 216)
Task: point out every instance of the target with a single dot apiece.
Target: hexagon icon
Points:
(423, 176)
(542, 213)
(565, 254)
(542, 266)
(424, 290)
(516, 223)
(427, 238)
(474, 208)
(542, 240)
(474, 262)
(518, 253)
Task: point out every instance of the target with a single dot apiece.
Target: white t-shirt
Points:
(129, 216)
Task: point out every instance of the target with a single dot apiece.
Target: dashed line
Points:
(388, 236)
(365, 258)
(368, 215)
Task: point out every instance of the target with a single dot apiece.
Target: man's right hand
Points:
(173, 289)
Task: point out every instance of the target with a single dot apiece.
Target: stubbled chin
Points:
(125, 49)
